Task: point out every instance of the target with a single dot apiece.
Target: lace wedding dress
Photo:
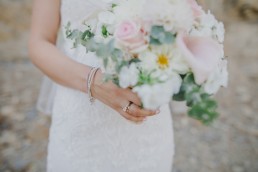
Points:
(95, 138)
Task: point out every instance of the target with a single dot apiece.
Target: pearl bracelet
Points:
(91, 75)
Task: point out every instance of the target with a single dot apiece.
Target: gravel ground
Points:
(229, 145)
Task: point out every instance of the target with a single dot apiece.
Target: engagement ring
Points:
(126, 108)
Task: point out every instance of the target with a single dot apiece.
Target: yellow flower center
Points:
(163, 61)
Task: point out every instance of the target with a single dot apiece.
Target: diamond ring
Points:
(126, 108)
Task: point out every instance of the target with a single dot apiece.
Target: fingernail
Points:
(157, 111)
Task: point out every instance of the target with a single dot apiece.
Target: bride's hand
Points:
(118, 98)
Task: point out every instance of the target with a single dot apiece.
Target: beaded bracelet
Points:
(91, 75)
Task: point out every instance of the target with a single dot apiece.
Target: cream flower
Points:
(129, 10)
(168, 57)
(154, 96)
(128, 76)
(106, 17)
(174, 15)
(208, 26)
(217, 79)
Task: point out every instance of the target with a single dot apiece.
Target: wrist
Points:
(97, 81)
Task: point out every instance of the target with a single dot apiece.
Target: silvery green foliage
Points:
(201, 105)
(159, 36)
(156, 78)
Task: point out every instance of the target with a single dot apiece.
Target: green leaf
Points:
(134, 60)
(114, 5)
(205, 111)
(159, 36)
(179, 96)
(117, 55)
(169, 38)
(105, 62)
(154, 41)
(120, 65)
(156, 31)
(104, 31)
(201, 106)
(86, 35)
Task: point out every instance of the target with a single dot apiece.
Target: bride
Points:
(111, 135)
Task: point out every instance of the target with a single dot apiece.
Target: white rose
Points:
(217, 79)
(128, 76)
(128, 10)
(106, 17)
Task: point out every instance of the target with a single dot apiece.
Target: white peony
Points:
(217, 79)
(174, 15)
(128, 76)
(128, 10)
(183, 17)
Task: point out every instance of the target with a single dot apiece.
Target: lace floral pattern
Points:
(95, 138)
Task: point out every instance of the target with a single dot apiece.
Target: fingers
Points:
(132, 118)
(131, 96)
(138, 112)
(134, 113)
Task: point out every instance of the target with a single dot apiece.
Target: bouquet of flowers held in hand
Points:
(161, 49)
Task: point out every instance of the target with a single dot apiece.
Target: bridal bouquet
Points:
(161, 49)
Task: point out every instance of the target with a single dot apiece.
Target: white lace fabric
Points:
(95, 138)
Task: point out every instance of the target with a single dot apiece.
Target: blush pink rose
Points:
(201, 53)
(197, 9)
(131, 36)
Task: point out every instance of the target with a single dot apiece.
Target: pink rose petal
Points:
(201, 53)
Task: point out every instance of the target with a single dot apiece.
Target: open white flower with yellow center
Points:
(168, 58)
(163, 61)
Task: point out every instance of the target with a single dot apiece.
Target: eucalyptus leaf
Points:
(201, 106)
(104, 31)
(154, 41)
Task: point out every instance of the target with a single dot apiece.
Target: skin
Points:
(63, 70)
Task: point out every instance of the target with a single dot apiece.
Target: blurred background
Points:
(229, 145)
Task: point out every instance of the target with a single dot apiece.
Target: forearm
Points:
(60, 68)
